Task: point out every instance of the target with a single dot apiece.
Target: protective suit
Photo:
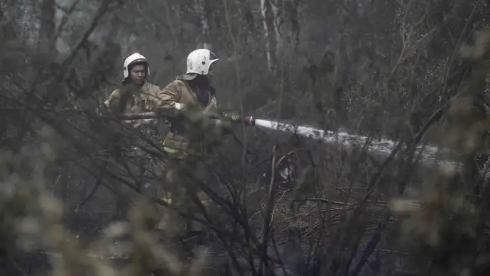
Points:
(182, 138)
(189, 131)
(131, 99)
(135, 95)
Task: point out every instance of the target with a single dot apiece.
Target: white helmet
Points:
(134, 58)
(199, 61)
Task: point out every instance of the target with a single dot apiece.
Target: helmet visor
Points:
(212, 56)
(138, 62)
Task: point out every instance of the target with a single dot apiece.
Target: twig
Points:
(19, 269)
(458, 43)
(65, 18)
(325, 201)
(170, 25)
(269, 206)
(97, 184)
(237, 71)
(98, 16)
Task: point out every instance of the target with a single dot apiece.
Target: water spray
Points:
(382, 146)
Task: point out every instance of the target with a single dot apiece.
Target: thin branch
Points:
(269, 206)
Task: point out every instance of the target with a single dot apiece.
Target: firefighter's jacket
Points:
(132, 99)
(188, 131)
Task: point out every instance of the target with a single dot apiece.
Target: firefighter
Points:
(193, 95)
(184, 103)
(135, 95)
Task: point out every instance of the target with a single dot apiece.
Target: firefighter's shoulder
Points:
(175, 85)
(116, 92)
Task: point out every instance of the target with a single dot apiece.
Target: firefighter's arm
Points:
(223, 125)
(113, 101)
(166, 100)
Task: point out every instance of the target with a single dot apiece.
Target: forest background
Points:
(411, 71)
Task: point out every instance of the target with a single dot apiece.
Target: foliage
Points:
(77, 200)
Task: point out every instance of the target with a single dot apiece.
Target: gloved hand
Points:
(237, 119)
(225, 126)
(180, 106)
(102, 110)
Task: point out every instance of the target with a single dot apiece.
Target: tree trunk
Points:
(47, 40)
(268, 14)
(204, 41)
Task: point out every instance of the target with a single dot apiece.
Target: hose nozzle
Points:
(247, 120)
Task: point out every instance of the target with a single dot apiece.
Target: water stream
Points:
(430, 155)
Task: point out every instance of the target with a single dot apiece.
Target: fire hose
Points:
(103, 113)
(234, 119)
